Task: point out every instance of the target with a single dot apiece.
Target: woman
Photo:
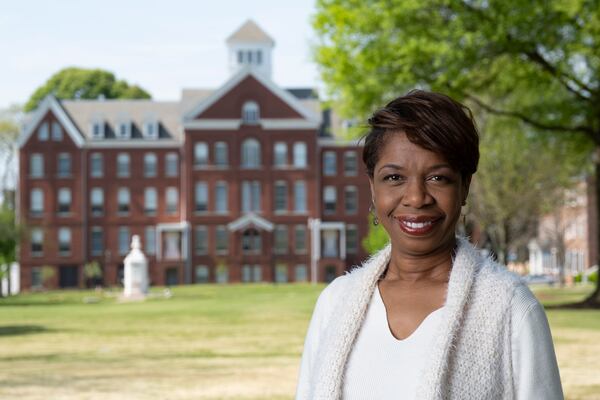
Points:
(427, 317)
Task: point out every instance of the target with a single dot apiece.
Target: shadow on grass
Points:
(16, 330)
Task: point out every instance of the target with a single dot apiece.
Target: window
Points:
(300, 239)
(123, 200)
(150, 166)
(150, 200)
(221, 197)
(250, 153)
(151, 129)
(200, 154)
(123, 130)
(351, 239)
(43, 132)
(351, 199)
(221, 156)
(97, 240)
(329, 163)
(97, 165)
(281, 273)
(123, 240)
(250, 112)
(250, 196)
(150, 236)
(172, 164)
(249, 56)
(123, 165)
(240, 57)
(300, 155)
(201, 197)
(57, 132)
(222, 274)
(258, 57)
(37, 242)
(64, 165)
(97, 128)
(257, 273)
(300, 273)
(201, 241)
(36, 206)
(246, 273)
(221, 239)
(329, 199)
(97, 201)
(279, 154)
(251, 241)
(172, 200)
(64, 200)
(36, 165)
(350, 163)
(64, 241)
(280, 201)
(300, 196)
(202, 275)
(37, 278)
(280, 235)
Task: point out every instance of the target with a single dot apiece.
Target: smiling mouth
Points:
(418, 226)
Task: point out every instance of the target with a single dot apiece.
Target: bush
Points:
(593, 277)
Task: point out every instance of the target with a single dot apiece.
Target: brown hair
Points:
(431, 120)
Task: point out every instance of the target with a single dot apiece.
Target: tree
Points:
(79, 83)
(9, 234)
(520, 178)
(536, 62)
(9, 132)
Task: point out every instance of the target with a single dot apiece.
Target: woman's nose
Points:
(415, 194)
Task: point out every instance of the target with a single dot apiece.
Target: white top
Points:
(381, 366)
(535, 371)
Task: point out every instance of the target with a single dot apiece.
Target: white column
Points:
(343, 241)
(314, 225)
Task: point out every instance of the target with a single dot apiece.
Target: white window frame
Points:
(96, 160)
(43, 132)
(201, 154)
(123, 159)
(221, 205)
(171, 200)
(171, 160)
(64, 238)
(221, 154)
(123, 199)
(329, 198)
(300, 155)
(57, 131)
(150, 165)
(97, 129)
(150, 129)
(251, 154)
(150, 201)
(61, 158)
(36, 202)
(201, 197)
(97, 199)
(100, 251)
(36, 165)
(123, 134)
(329, 163)
(250, 113)
(280, 155)
(64, 200)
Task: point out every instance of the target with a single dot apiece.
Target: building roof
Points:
(250, 32)
(167, 113)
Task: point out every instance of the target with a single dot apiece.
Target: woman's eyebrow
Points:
(399, 167)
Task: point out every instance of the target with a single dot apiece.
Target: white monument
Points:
(136, 272)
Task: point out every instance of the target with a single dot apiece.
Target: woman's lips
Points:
(417, 225)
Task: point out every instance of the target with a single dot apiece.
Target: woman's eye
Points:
(392, 177)
(438, 178)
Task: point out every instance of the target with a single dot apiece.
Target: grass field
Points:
(204, 342)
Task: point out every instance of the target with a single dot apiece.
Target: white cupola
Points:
(250, 46)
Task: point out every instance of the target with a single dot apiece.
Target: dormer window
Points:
(151, 129)
(250, 113)
(97, 128)
(123, 130)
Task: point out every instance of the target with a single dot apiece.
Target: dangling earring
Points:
(372, 212)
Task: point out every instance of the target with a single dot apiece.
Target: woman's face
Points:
(417, 197)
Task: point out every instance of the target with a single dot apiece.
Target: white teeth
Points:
(416, 225)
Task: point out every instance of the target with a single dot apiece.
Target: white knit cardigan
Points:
(471, 355)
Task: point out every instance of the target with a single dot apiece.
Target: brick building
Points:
(237, 184)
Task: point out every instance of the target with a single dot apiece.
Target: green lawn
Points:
(205, 342)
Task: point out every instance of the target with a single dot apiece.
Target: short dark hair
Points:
(430, 120)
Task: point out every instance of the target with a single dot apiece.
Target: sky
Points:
(163, 46)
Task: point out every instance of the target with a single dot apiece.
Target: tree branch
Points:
(530, 121)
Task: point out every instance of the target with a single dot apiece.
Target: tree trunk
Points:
(594, 299)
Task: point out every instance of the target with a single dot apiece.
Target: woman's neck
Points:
(413, 269)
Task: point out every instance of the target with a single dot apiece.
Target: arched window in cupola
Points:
(250, 112)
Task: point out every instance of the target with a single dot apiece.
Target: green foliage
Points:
(593, 277)
(48, 272)
(92, 270)
(79, 83)
(376, 239)
(9, 235)
(536, 61)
